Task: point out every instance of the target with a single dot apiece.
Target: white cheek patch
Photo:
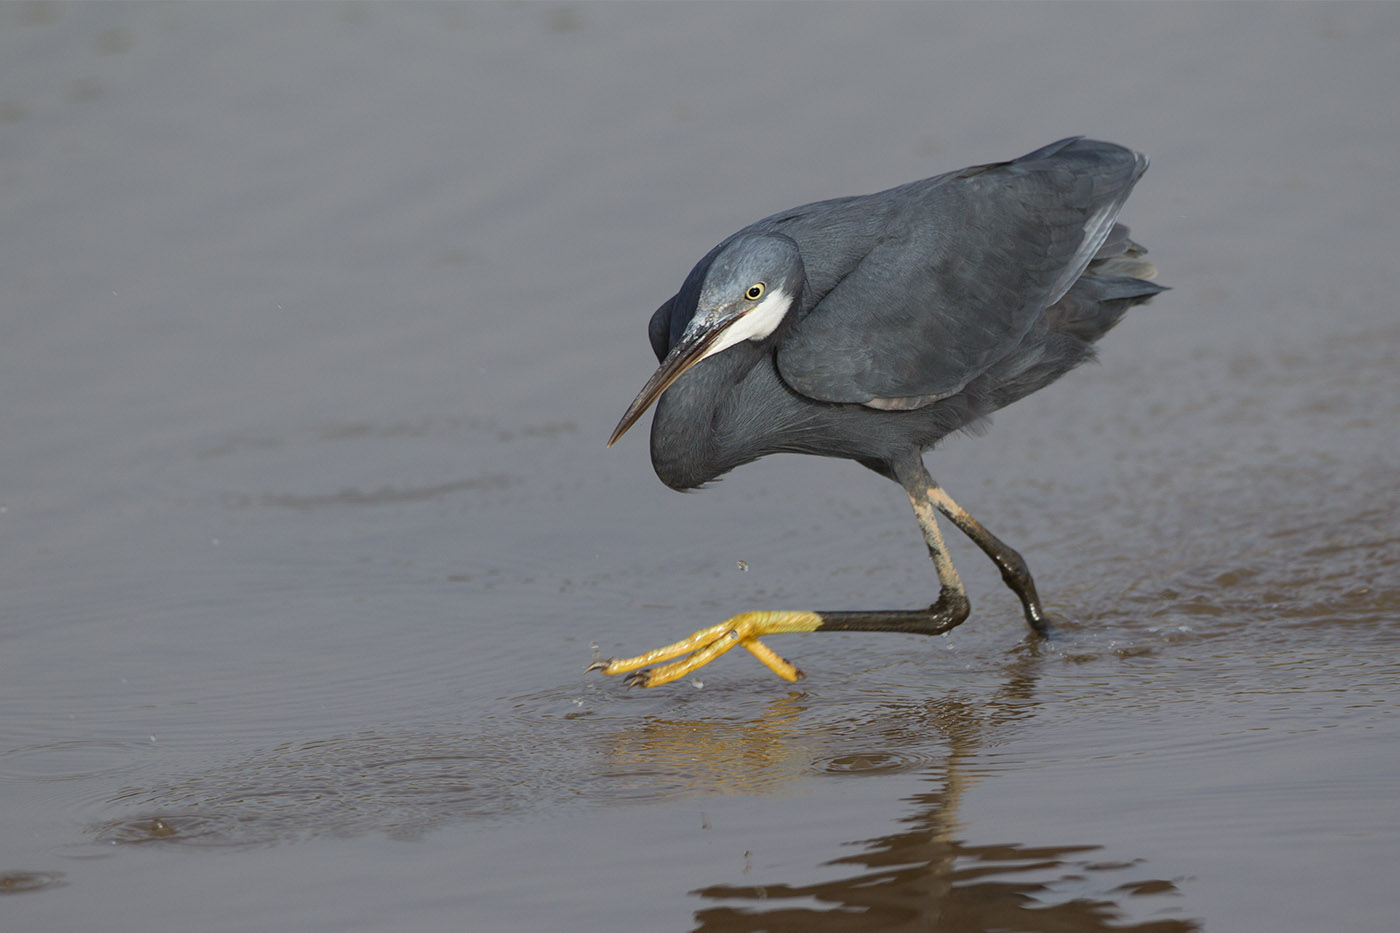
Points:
(754, 324)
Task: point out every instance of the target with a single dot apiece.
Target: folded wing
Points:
(959, 270)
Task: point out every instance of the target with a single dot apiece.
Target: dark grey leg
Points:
(1012, 566)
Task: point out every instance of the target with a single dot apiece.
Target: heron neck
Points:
(697, 408)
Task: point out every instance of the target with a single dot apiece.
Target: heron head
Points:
(745, 294)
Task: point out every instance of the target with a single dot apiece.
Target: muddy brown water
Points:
(316, 317)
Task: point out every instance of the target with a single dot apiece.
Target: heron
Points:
(871, 327)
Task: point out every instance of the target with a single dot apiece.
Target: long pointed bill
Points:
(693, 348)
(704, 336)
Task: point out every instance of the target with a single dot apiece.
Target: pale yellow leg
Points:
(709, 643)
(774, 661)
(686, 645)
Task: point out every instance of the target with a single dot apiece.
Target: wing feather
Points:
(947, 275)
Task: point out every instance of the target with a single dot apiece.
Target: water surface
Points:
(316, 318)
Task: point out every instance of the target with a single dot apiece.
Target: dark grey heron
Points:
(871, 327)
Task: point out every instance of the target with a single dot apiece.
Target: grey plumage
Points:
(928, 306)
(868, 328)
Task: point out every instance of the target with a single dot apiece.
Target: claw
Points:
(702, 647)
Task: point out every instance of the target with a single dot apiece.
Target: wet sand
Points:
(316, 318)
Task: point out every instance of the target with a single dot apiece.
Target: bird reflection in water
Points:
(928, 876)
(928, 879)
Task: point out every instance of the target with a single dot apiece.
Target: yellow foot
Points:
(709, 643)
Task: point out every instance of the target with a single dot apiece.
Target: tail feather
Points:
(1117, 279)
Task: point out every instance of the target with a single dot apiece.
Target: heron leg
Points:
(953, 607)
(950, 611)
(1012, 566)
(707, 644)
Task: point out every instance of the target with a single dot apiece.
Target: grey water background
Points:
(314, 319)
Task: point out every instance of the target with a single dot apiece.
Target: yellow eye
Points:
(754, 291)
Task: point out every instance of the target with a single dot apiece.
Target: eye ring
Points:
(754, 291)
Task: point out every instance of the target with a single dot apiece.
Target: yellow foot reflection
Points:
(709, 643)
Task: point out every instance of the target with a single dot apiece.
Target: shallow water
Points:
(316, 318)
